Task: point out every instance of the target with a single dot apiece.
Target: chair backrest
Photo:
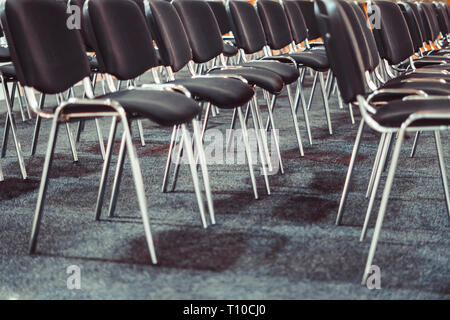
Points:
(419, 19)
(394, 33)
(247, 27)
(434, 24)
(46, 54)
(342, 51)
(220, 12)
(366, 28)
(307, 8)
(441, 17)
(169, 33)
(123, 42)
(413, 25)
(299, 30)
(428, 36)
(275, 23)
(201, 27)
(87, 37)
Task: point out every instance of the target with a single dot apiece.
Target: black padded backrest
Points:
(342, 51)
(431, 14)
(366, 28)
(394, 33)
(413, 25)
(85, 32)
(361, 41)
(275, 23)
(419, 19)
(299, 30)
(202, 29)
(247, 27)
(307, 9)
(428, 31)
(123, 42)
(172, 40)
(46, 54)
(441, 17)
(220, 12)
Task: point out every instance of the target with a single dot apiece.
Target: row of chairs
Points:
(268, 50)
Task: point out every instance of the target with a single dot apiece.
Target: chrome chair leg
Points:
(188, 147)
(117, 178)
(383, 205)
(375, 164)
(13, 129)
(325, 103)
(274, 132)
(169, 159)
(100, 138)
(295, 120)
(437, 138)
(2, 178)
(7, 123)
(141, 132)
(43, 186)
(248, 151)
(177, 164)
(300, 98)
(203, 164)
(349, 173)
(262, 133)
(350, 109)
(261, 147)
(105, 170)
(414, 147)
(379, 169)
(19, 98)
(72, 143)
(230, 136)
(37, 126)
(313, 89)
(139, 184)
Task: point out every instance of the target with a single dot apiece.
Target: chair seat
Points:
(229, 50)
(395, 112)
(4, 55)
(432, 88)
(259, 77)
(163, 107)
(8, 70)
(287, 72)
(315, 60)
(221, 92)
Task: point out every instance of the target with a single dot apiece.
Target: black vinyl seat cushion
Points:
(395, 112)
(259, 77)
(432, 88)
(4, 55)
(229, 50)
(221, 92)
(163, 107)
(8, 71)
(287, 72)
(315, 60)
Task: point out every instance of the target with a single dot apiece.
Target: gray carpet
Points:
(283, 246)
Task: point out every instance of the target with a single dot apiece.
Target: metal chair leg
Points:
(7, 123)
(313, 89)
(73, 148)
(13, 129)
(414, 147)
(105, 170)
(383, 205)
(139, 185)
(348, 177)
(437, 138)
(325, 103)
(201, 153)
(37, 126)
(300, 99)
(379, 172)
(2, 178)
(100, 138)
(248, 151)
(230, 136)
(274, 132)
(188, 147)
(43, 187)
(375, 164)
(169, 158)
(117, 178)
(262, 133)
(295, 120)
(141, 132)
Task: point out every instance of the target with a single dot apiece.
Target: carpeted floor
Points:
(283, 246)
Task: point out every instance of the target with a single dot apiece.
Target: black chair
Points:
(206, 43)
(225, 92)
(411, 112)
(27, 24)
